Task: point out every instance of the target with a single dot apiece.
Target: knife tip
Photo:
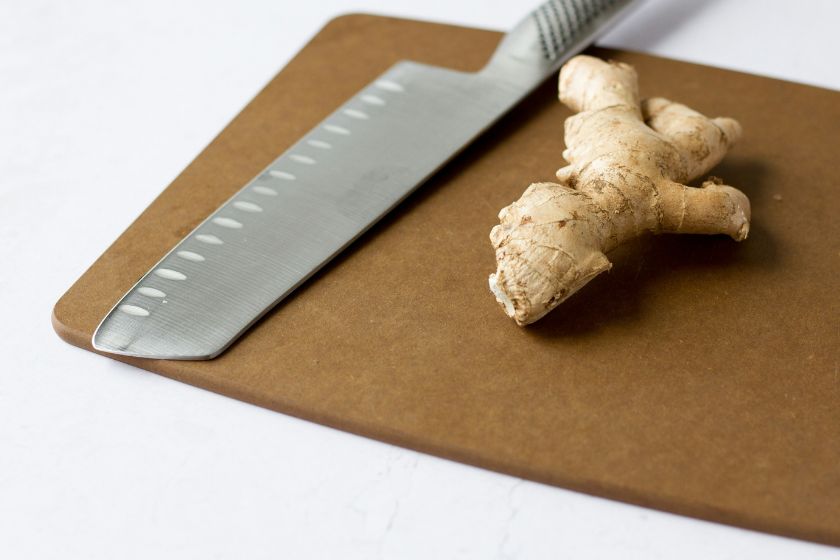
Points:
(121, 344)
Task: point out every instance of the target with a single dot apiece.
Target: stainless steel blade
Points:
(331, 186)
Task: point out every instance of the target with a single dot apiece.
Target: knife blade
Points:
(332, 185)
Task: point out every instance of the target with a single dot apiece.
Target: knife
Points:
(332, 185)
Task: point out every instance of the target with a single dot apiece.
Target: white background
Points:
(101, 460)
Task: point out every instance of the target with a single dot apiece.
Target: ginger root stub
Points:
(628, 165)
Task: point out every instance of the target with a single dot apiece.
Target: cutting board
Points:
(700, 376)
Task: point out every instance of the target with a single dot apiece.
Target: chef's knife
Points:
(332, 185)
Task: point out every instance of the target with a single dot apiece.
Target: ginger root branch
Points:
(628, 162)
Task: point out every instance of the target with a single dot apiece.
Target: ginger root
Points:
(628, 165)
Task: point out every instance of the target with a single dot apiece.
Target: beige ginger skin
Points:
(628, 165)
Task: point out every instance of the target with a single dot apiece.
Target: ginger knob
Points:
(628, 162)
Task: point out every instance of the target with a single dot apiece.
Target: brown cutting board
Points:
(700, 376)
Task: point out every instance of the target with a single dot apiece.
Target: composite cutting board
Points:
(700, 376)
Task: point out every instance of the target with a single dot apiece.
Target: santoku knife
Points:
(332, 185)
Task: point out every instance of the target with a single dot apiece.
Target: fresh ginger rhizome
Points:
(628, 165)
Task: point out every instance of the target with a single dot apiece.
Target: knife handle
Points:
(550, 35)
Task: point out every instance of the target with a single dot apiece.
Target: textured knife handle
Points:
(552, 33)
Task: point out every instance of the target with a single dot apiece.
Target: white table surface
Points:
(102, 460)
